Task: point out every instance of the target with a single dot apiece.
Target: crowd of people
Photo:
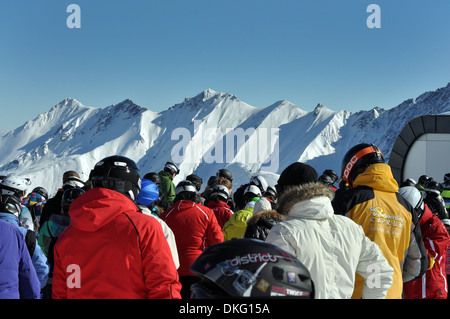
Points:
(123, 234)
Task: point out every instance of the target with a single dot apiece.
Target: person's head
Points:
(271, 193)
(185, 190)
(357, 159)
(414, 197)
(250, 192)
(10, 204)
(68, 197)
(41, 191)
(196, 180)
(73, 181)
(249, 268)
(408, 182)
(148, 194)
(118, 173)
(294, 175)
(328, 177)
(172, 169)
(15, 185)
(224, 173)
(154, 177)
(447, 179)
(423, 179)
(220, 193)
(433, 188)
(226, 182)
(259, 181)
(68, 174)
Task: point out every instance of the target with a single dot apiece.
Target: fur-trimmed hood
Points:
(264, 215)
(311, 201)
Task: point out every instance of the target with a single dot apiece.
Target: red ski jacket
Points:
(195, 228)
(221, 210)
(113, 251)
(433, 284)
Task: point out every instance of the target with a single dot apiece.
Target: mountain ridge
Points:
(72, 136)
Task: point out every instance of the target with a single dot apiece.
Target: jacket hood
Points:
(310, 201)
(264, 215)
(10, 218)
(97, 207)
(377, 176)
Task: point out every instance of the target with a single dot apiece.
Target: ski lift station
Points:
(422, 148)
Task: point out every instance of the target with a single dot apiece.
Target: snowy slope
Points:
(209, 131)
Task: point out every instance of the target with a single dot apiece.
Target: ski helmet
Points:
(250, 268)
(447, 178)
(222, 191)
(357, 159)
(413, 196)
(252, 190)
(185, 186)
(328, 177)
(41, 191)
(271, 191)
(408, 182)
(10, 204)
(154, 177)
(196, 180)
(73, 181)
(423, 179)
(69, 196)
(118, 173)
(172, 168)
(260, 182)
(15, 185)
(225, 174)
(433, 188)
(148, 194)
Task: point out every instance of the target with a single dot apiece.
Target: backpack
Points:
(30, 240)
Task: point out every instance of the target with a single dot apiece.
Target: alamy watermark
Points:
(214, 145)
(74, 19)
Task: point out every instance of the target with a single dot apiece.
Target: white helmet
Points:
(254, 190)
(412, 195)
(260, 182)
(15, 185)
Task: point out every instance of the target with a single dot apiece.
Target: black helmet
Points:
(69, 196)
(423, 179)
(447, 178)
(249, 268)
(223, 172)
(154, 177)
(118, 173)
(328, 177)
(172, 168)
(357, 159)
(196, 180)
(433, 188)
(10, 204)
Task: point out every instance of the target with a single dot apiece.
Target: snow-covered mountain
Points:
(202, 134)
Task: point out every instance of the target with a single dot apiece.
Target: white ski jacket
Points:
(332, 247)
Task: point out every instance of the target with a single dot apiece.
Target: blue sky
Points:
(156, 53)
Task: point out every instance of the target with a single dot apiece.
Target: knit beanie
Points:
(296, 174)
